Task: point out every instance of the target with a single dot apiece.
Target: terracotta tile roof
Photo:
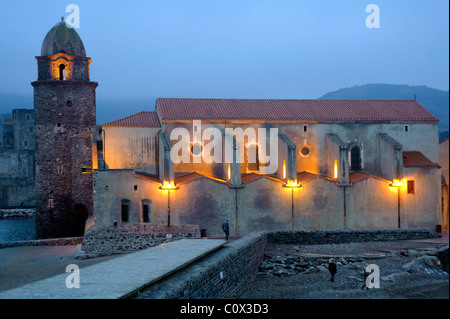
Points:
(417, 159)
(355, 177)
(184, 179)
(249, 178)
(179, 180)
(147, 177)
(141, 119)
(173, 109)
(304, 177)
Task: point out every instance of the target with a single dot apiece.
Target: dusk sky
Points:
(142, 50)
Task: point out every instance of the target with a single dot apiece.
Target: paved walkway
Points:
(121, 276)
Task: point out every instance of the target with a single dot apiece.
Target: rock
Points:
(303, 264)
(356, 278)
(413, 253)
(322, 268)
(283, 273)
(314, 270)
(428, 261)
(442, 254)
(388, 278)
(266, 265)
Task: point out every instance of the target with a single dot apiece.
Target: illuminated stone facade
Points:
(64, 104)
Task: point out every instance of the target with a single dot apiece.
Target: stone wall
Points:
(318, 237)
(67, 241)
(17, 213)
(225, 273)
(221, 275)
(129, 238)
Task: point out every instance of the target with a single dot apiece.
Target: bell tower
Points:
(64, 106)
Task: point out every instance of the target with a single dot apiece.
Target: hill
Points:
(435, 101)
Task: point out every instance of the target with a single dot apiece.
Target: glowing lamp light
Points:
(396, 183)
(284, 169)
(292, 184)
(168, 186)
(335, 169)
(229, 171)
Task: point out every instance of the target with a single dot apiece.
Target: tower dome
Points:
(63, 38)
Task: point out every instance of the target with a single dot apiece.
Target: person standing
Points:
(226, 228)
(332, 269)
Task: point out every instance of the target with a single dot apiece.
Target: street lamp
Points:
(397, 183)
(168, 187)
(292, 185)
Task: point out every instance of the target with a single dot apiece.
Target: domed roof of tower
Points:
(63, 38)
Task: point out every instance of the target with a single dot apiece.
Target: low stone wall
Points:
(317, 237)
(129, 238)
(17, 213)
(66, 241)
(224, 274)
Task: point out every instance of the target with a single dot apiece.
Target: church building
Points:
(262, 164)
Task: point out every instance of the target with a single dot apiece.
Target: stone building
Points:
(17, 160)
(261, 164)
(360, 164)
(64, 106)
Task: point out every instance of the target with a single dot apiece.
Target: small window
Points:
(146, 211)
(253, 160)
(28, 116)
(50, 203)
(305, 128)
(59, 125)
(410, 187)
(59, 169)
(196, 149)
(135, 187)
(305, 151)
(406, 128)
(124, 210)
(69, 103)
(30, 129)
(25, 143)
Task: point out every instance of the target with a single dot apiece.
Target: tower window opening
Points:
(62, 72)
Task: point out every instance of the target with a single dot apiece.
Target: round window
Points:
(305, 150)
(196, 149)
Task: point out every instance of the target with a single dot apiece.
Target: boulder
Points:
(442, 254)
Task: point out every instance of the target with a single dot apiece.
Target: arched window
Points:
(124, 210)
(355, 158)
(62, 72)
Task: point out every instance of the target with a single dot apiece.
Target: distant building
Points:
(17, 160)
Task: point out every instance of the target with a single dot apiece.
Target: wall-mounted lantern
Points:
(168, 186)
(292, 185)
